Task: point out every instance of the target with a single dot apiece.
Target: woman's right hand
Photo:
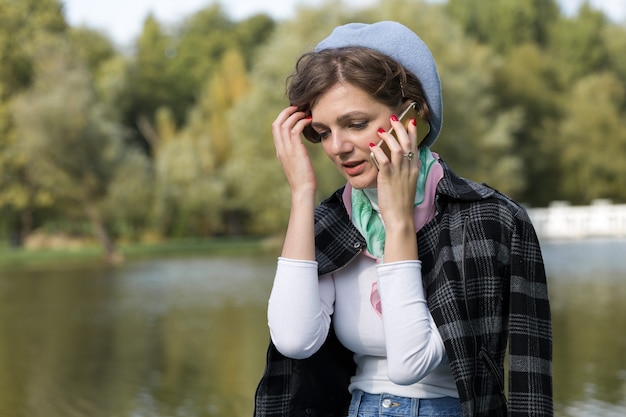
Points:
(287, 131)
(291, 152)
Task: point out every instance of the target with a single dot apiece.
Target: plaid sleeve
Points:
(530, 332)
(273, 393)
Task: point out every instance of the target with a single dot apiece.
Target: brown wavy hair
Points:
(375, 73)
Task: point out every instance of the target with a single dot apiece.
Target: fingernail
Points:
(381, 130)
(394, 117)
(372, 145)
(309, 117)
(414, 121)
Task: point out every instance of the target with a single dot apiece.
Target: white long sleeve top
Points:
(399, 352)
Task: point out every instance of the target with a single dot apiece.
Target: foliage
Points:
(593, 133)
(70, 146)
(578, 44)
(170, 67)
(527, 81)
(22, 24)
(173, 139)
(504, 24)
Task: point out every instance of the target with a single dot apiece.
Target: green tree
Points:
(504, 24)
(170, 67)
(615, 42)
(93, 47)
(200, 44)
(130, 196)
(201, 75)
(579, 44)
(72, 149)
(226, 85)
(477, 136)
(592, 140)
(529, 80)
(251, 33)
(191, 189)
(22, 23)
(149, 81)
(187, 193)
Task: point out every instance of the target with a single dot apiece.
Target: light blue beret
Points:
(400, 43)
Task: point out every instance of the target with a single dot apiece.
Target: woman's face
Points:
(347, 120)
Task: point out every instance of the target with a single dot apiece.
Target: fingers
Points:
(292, 154)
(289, 123)
(400, 141)
(405, 133)
(412, 131)
(287, 132)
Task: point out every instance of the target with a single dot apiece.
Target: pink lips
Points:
(353, 168)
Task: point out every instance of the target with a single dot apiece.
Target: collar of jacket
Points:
(337, 240)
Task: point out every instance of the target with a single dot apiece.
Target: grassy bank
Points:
(10, 256)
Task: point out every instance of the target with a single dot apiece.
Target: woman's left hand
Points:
(397, 180)
(397, 177)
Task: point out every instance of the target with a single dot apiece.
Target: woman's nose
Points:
(339, 144)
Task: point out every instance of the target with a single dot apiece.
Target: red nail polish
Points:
(381, 130)
(394, 117)
(309, 117)
(372, 145)
(414, 121)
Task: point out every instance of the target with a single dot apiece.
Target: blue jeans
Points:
(385, 405)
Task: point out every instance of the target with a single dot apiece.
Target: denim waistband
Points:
(379, 405)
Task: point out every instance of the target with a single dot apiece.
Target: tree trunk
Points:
(26, 224)
(102, 235)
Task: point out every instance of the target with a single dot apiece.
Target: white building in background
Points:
(562, 221)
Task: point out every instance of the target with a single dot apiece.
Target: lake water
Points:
(187, 337)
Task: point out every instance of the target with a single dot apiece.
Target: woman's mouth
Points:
(353, 168)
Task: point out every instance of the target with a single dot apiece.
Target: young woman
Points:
(398, 294)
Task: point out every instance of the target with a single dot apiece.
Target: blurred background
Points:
(142, 206)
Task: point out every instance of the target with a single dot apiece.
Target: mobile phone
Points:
(409, 113)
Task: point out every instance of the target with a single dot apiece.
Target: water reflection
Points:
(588, 294)
(159, 338)
(187, 337)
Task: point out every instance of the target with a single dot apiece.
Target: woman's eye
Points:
(322, 135)
(358, 125)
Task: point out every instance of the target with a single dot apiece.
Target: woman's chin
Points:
(361, 183)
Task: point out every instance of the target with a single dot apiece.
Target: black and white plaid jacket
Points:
(486, 287)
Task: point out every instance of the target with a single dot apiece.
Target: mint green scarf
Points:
(366, 216)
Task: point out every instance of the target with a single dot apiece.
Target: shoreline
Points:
(562, 221)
